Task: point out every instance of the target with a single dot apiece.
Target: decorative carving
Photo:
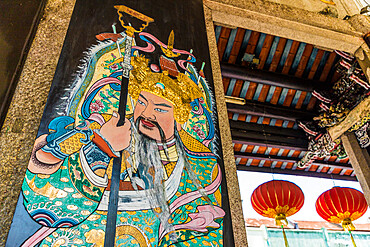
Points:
(333, 116)
(339, 151)
(320, 147)
(346, 93)
(336, 104)
(362, 135)
(359, 124)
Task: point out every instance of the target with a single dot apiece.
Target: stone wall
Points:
(22, 121)
(341, 7)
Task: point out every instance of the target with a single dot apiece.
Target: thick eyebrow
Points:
(143, 97)
(163, 104)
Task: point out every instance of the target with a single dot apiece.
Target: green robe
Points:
(69, 200)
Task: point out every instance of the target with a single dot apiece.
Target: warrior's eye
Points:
(160, 110)
(140, 102)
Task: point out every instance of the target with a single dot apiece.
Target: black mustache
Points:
(147, 120)
(155, 123)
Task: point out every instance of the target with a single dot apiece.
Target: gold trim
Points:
(180, 91)
(129, 29)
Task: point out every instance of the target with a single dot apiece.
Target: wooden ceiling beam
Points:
(271, 78)
(295, 172)
(269, 139)
(289, 159)
(246, 140)
(264, 128)
(270, 111)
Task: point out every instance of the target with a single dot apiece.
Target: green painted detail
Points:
(89, 75)
(81, 183)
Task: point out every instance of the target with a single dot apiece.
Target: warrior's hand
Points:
(117, 136)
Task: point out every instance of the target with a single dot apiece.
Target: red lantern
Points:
(277, 199)
(341, 205)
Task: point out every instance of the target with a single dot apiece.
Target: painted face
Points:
(154, 115)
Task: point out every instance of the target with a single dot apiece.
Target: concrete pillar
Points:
(360, 161)
(236, 211)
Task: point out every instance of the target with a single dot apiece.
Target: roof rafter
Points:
(295, 172)
(267, 129)
(268, 140)
(271, 78)
(271, 111)
(289, 159)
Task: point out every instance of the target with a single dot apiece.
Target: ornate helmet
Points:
(180, 91)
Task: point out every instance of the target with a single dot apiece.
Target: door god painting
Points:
(143, 101)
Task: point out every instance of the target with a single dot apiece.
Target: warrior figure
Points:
(169, 182)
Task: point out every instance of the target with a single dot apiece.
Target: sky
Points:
(312, 188)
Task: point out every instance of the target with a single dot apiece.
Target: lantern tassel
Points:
(347, 224)
(353, 240)
(280, 219)
(285, 238)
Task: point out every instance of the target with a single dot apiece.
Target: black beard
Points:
(161, 132)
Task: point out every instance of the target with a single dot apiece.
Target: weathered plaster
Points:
(344, 7)
(361, 23)
(23, 117)
(288, 22)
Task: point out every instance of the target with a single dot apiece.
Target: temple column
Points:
(360, 161)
